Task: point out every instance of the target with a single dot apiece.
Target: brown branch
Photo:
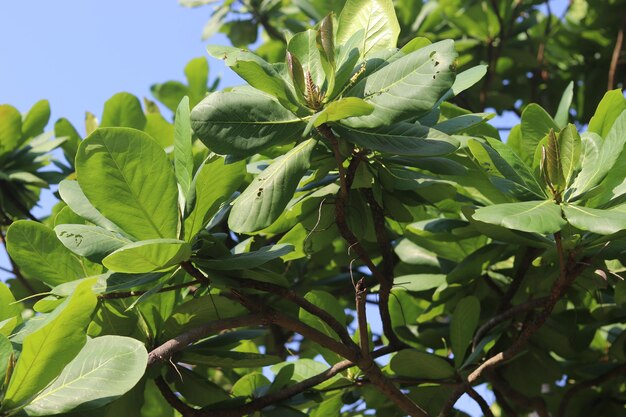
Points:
(484, 407)
(617, 50)
(165, 351)
(599, 380)
(361, 293)
(512, 312)
(194, 272)
(565, 280)
(129, 294)
(173, 400)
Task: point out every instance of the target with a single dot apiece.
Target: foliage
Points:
(229, 275)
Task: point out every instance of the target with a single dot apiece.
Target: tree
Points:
(231, 275)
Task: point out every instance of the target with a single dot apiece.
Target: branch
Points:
(512, 312)
(173, 400)
(616, 53)
(165, 351)
(599, 380)
(484, 407)
(361, 293)
(194, 272)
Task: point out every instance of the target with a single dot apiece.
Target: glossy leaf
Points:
(408, 87)
(148, 256)
(268, 194)
(105, 369)
(541, 217)
(243, 122)
(462, 327)
(377, 18)
(40, 255)
(401, 139)
(46, 351)
(140, 195)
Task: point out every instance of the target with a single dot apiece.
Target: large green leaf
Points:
(536, 123)
(40, 255)
(602, 222)
(92, 242)
(74, 197)
(123, 110)
(401, 139)
(183, 154)
(407, 88)
(612, 105)
(247, 260)
(10, 128)
(243, 122)
(105, 369)
(464, 323)
(127, 176)
(148, 256)
(267, 196)
(414, 364)
(377, 18)
(530, 216)
(46, 351)
(257, 72)
(593, 171)
(214, 184)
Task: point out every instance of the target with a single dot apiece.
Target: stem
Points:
(484, 407)
(194, 272)
(616, 53)
(361, 293)
(173, 400)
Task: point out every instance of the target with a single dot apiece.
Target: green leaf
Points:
(257, 72)
(536, 123)
(92, 242)
(169, 93)
(251, 385)
(409, 87)
(596, 166)
(340, 109)
(243, 122)
(63, 128)
(562, 113)
(40, 255)
(10, 311)
(46, 351)
(127, 176)
(105, 369)
(401, 139)
(227, 358)
(419, 282)
(76, 200)
(123, 110)
(552, 167)
(465, 80)
(197, 74)
(414, 364)
(612, 105)
(462, 327)
(183, 154)
(377, 18)
(268, 194)
(10, 128)
(463, 122)
(326, 302)
(569, 144)
(247, 260)
(36, 120)
(6, 355)
(543, 217)
(148, 256)
(303, 46)
(214, 183)
(602, 222)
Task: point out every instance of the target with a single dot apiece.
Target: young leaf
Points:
(46, 351)
(338, 110)
(464, 323)
(409, 87)
(183, 154)
(105, 369)
(536, 123)
(127, 176)
(40, 255)
(148, 256)
(303, 45)
(326, 39)
(243, 122)
(541, 217)
(377, 18)
(569, 144)
(123, 110)
(553, 168)
(268, 194)
(400, 139)
(562, 113)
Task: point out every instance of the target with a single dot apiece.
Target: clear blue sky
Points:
(78, 53)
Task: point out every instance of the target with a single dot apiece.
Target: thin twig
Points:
(173, 400)
(194, 272)
(484, 407)
(361, 293)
